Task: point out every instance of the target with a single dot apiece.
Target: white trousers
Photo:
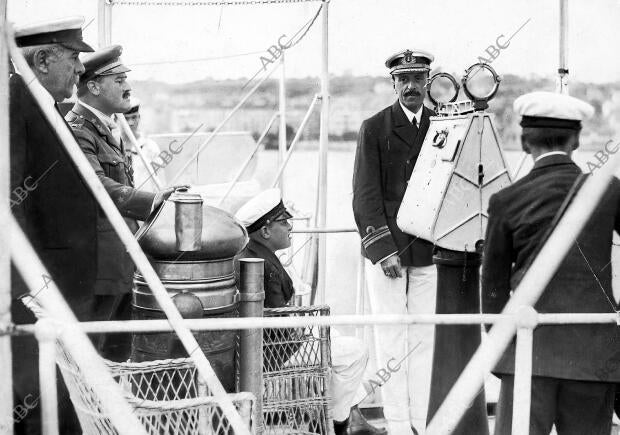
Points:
(405, 387)
(349, 360)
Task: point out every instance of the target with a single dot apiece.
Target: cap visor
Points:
(78, 46)
(116, 70)
(410, 70)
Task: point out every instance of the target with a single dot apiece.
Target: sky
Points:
(362, 34)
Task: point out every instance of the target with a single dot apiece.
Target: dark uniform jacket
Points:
(55, 209)
(114, 265)
(52, 204)
(278, 284)
(278, 344)
(388, 146)
(519, 215)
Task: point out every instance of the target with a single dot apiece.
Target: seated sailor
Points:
(267, 222)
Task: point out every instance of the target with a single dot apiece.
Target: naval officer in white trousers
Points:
(400, 275)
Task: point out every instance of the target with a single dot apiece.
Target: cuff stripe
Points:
(375, 236)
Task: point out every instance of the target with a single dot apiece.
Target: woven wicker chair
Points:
(296, 370)
(166, 395)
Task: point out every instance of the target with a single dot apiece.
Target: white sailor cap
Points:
(64, 31)
(552, 110)
(264, 207)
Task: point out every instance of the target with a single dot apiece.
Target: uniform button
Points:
(114, 161)
(408, 162)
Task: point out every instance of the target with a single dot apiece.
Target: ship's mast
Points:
(104, 23)
(562, 85)
(321, 212)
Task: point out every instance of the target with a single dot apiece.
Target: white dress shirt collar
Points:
(550, 153)
(410, 115)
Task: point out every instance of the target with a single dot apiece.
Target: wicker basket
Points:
(167, 396)
(296, 370)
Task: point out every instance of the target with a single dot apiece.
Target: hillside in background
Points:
(203, 104)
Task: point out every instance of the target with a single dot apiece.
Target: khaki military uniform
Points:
(113, 166)
(114, 265)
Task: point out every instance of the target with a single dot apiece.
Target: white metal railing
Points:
(526, 319)
(233, 323)
(80, 347)
(126, 236)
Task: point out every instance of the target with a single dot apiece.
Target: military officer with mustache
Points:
(102, 92)
(400, 275)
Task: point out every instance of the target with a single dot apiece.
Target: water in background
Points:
(343, 250)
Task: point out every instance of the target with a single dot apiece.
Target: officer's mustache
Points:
(126, 94)
(412, 94)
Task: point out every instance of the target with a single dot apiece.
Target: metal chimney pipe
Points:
(251, 300)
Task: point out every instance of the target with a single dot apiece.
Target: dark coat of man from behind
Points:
(59, 217)
(519, 216)
(58, 213)
(387, 149)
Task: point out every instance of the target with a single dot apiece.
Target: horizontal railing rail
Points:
(232, 323)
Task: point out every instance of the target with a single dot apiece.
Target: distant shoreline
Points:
(348, 146)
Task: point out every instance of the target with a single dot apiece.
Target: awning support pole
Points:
(321, 212)
(6, 368)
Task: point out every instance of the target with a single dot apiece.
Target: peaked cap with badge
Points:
(104, 62)
(408, 61)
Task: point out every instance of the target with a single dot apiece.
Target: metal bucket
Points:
(215, 296)
(200, 280)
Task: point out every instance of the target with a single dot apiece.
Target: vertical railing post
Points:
(527, 319)
(45, 332)
(6, 386)
(282, 111)
(252, 297)
(321, 215)
(104, 23)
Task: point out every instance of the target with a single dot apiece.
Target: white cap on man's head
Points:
(265, 206)
(552, 110)
(64, 31)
